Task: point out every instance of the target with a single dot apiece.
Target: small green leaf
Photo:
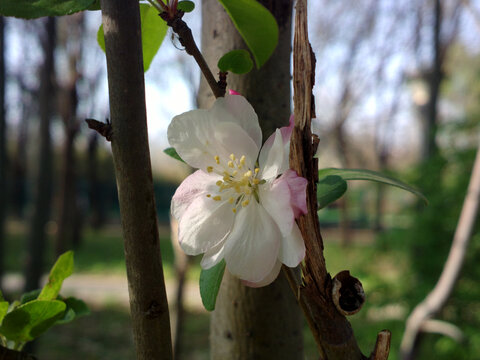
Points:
(30, 320)
(62, 269)
(173, 153)
(29, 296)
(329, 189)
(75, 308)
(210, 281)
(361, 174)
(3, 310)
(186, 6)
(236, 61)
(256, 25)
(154, 30)
(30, 9)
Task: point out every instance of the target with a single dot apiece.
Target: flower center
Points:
(239, 183)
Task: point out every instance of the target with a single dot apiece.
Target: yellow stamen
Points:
(256, 181)
(257, 170)
(231, 200)
(232, 157)
(209, 169)
(242, 160)
(245, 203)
(230, 164)
(219, 183)
(235, 172)
(234, 210)
(217, 198)
(248, 173)
(208, 195)
(217, 159)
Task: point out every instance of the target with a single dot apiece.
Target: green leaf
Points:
(236, 61)
(210, 281)
(256, 25)
(329, 189)
(186, 6)
(62, 269)
(30, 9)
(173, 153)
(361, 174)
(3, 309)
(30, 320)
(75, 308)
(29, 296)
(154, 30)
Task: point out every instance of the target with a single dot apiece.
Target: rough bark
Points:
(331, 330)
(42, 205)
(148, 301)
(437, 298)
(3, 147)
(251, 323)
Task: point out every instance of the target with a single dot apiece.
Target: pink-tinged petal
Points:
(275, 198)
(252, 247)
(292, 250)
(233, 92)
(272, 159)
(204, 224)
(286, 135)
(213, 256)
(236, 109)
(200, 135)
(268, 279)
(298, 191)
(197, 184)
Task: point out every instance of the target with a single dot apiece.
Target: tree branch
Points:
(185, 37)
(437, 298)
(331, 330)
(131, 156)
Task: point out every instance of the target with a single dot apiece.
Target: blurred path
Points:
(101, 290)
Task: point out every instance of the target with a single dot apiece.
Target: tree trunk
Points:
(42, 205)
(68, 209)
(3, 148)
(131, 156)
(251, 323)
(96, 208)
(430, 147)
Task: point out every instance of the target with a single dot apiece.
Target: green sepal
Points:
(210, 281)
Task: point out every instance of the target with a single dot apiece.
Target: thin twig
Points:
(437, 298)
(185, 37)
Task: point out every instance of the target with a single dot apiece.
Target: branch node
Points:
(347, 293)
(382, 346)
(104, 129)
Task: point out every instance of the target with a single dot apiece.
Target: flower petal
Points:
(275, 198)
(268, 279)
(298, 191)
(204, 224)
(200, 135)
(252, 247)
(235, 108)
(197, 184)
(272, 159)
(292, 250)
(213, 256)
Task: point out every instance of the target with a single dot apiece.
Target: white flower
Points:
(234, 208)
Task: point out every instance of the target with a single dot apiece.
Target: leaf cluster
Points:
(24, 320)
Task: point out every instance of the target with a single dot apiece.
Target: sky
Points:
(168, 82)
